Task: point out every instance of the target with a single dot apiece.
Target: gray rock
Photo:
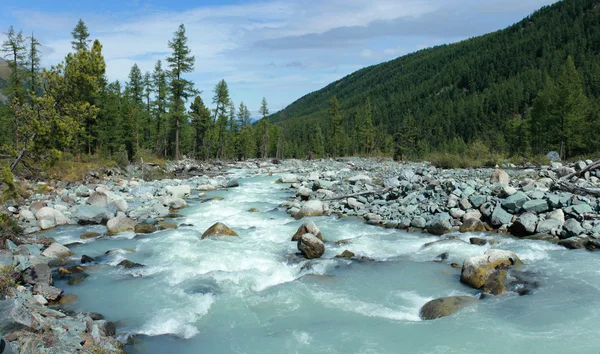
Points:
(14, 316)
(49, 292)
(445, 306)
(582, 209)
(477, 200)
(311, 208)
(515, 202)
(310, 246)
(308, 227)
(500, 176)
(536, 206)
(419, 223)
(524, 225)
(98, 199)
(572, 228)
(288, 178)
(439, 225)
(92, 214)
(57, 251)
(549, 226)
(500, 217)
(179, 191)
(354, 204)
(361, 178)
(120, 224)
(563, 171)
(557, 215)
(38, 273)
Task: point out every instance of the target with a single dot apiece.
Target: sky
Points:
(278, 49)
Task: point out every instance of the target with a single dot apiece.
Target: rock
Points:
(288, 178)
(549, 226)
(129, 264)
(311, 208)
(163, 225)
(445, 306)
(553, 156)
(304, 193)
(14, 316)
(253, 210)
(500, 217)
(582, 209)
(310, 246)
(46, 218)
(92, 214)
(82, 191)
(40, 299)
(68, 299)
(478, 241)
(120, 224)
(218, 229)
(346, 254)
(564, 171)
(515, 202)
(439, 225)
(572, 228)
(106, 328)
(49, 292)
(558, 215)
(144, 228)
(86, 259)
(354, 204)
(464, 204)
(472, 225)
(232, 183)
(38, 273)
(475, 214)
(476, 270)
(418, 223)
(500, 176)
(176, 203)
(89, 235)
(180, 192)
(524, 225)
(57, 251)
(357, 178)
(574, 243)
(477, 200)
(98, 199)
(308, 227)
(536, 206)
(37, 205)
(542, 237)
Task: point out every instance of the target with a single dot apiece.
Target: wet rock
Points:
(310, 246)
(120, 224)
(144, 228)
(86, 259)
(212, 199)
(524, 225)
(439, 225)
(106, 328)
(253, 210)
(92, 214)
(308, 227)
(346, 254)
(311, 208)
(445, 241)
(163, 225)
(476, 270)
(178, 203)
(542, 237)
(127, 264)
(472, 225)
(218, 229)
(478, 241)
(57, 251)
(500, 176)
(67, 299)
(445, 306)
(87, 235)
(342, 243)
(418, 223)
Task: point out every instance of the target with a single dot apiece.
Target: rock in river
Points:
(219, 229)
(311, 208)
(476, 270)
(120, 224)
(445, 306)
(308, 227)
(310, 246)
(56, 250)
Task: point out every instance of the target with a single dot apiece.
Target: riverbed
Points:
(254, 294)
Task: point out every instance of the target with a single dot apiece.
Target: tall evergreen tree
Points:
(366, 131)
(180, 62)
(160, 86)
(200, 116)
(221, 100)
(80, 37)
(244, 116)
(15, 52)
(336, 126)
(33, 62)
(264, 109)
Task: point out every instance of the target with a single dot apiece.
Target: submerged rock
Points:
(218, 229)
(163, 225)
(346, 254)
(144, 228)
(445, 306)
(89, 235)
(129, 264)
(310, 246)
(476, 270)
(308, 227)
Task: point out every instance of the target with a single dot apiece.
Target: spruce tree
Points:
(244, 116)
(80, 37)
(221, 99)
(264, 109)
(180, 62)
(160, 86)
(200, 116)
(15, 53)
(33, 63)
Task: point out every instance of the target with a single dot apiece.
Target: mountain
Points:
(477, 89)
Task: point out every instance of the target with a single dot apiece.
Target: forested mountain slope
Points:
(442, 98)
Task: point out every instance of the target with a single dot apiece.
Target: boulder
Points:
(46, 218)
(163, 225)
(92, 214)
(304, 193)
(179, 191)
(572, 228)
(48, 292)
(288, 178)
(472, 225)
(478, 241)
(346, 254)
(536, 206)
(474, 214)
(37, 205)
(86, 259)
(311, 208)
(549, 226)
(500, 217)
(120, 224)
(38, 273)
(310, 246)
(524, 225)
(354, 204)
(14, 316)
(127, 264)
(439, 225)
(98, 199)
(144, 228)
(515, 202)
(218, 229)
(308, 227)
(173, 202)
(500, 176)
(57, 251)
(445, 306)
(476, 270)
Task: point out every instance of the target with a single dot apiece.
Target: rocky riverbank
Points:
(524, 203)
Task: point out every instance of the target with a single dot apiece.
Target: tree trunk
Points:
(20, 156)
(177, 140)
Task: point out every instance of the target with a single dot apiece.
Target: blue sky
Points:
(279, 49)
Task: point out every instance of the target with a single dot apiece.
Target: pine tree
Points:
(33, 57)
(160, 86)
(200, 116)
(15, 53)
(264, 110)
(134, 90)
(406, 140)
(244, 116)
(180, 62)
(80, 37)
(366, 131)
(221, 99)
(147, 110)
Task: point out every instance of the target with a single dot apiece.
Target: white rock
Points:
(56, 250)
(46, 218)
(40, 299)
(357, 178)
(182, 191)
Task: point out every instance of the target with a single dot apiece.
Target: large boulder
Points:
(14, 316)
(46, 218)
(218, 229)
(308, 227)
(179, 191)
(144, 228)
(549, 226)
(120, 224)
(310, 246)
(515, 202)
(311, 208)
(572, 228)
(439, 225)
(445, 306)
(98, 199)
(173, 202)
(500, 176)
(38, 273)
(476, 270)
(472, 225)
(287, 178)
(536, 206)
(92, 214)
(57, 251)
(500, 217)
(524, 225)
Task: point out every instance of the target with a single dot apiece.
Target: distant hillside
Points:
(4, 72)
(469, 90)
